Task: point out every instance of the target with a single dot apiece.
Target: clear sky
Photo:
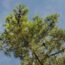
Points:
(40, 7)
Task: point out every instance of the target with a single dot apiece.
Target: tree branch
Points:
(36, 56)
(60, 51)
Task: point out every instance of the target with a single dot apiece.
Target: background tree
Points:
(36, 42)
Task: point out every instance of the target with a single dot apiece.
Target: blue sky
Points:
(40, 7)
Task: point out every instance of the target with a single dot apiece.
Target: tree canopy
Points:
(36, 42)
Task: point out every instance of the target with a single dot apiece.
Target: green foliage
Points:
(36, 42)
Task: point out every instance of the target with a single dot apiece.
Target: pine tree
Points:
(36, 42)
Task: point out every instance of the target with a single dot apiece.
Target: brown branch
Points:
(36, 56)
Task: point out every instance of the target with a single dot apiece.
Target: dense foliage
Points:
(36, 42)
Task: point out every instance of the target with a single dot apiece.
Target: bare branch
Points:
(60, 51)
